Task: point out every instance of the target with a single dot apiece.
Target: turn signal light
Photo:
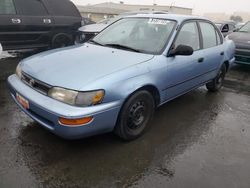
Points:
(75, 122)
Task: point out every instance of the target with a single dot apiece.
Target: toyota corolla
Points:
(117, 80)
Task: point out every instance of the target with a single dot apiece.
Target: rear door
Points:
(10, 24)
(37, 23)
(66, 15)
(213, 51)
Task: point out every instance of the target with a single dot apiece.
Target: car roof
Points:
(177, 17)
(225, 22)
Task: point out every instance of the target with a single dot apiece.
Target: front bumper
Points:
(46, 111)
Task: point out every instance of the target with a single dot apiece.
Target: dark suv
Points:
(30, 24)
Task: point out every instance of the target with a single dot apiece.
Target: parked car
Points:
(115, 81)
(87, 21)
(226, 27)
(89, 31)
(242, 42)
(239, 25)
(30, 24)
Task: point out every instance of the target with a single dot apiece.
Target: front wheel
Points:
(61, 40)
(217, 82)
(135, 116)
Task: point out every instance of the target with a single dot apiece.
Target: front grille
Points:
(242, 52)
(35, 84)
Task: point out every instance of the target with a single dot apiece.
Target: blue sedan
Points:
(117, 80)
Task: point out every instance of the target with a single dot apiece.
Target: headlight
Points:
(19, 71)
(75, 98)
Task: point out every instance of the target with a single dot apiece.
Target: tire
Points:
(135, 116)
(216, 84)
(61, 40)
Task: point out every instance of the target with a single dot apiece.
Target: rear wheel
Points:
(135, 116)
(217, 82)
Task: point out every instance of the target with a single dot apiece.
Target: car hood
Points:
(93, 28)
(240, 38)
(75, 67)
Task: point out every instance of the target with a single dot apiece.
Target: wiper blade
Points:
(243, 31)
(123, 47)
(94, 42)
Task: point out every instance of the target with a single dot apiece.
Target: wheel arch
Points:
(151, 89)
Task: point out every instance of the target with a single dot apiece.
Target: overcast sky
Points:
(199, 6)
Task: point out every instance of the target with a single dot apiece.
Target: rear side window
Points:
(7, 7)
(63, 8)
(208, 35)
(31, 7)
(189, 36)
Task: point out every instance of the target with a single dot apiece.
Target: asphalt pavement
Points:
(201, 139)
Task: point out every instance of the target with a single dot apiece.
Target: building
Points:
(218, 17)
(101, 11)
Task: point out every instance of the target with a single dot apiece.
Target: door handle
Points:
(222, 53)
(16, 20)
(200, 60)
(47, 21)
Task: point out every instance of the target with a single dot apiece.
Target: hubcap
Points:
(136, 115)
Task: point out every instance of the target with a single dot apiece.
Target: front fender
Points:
(229, 46)
(119, 85)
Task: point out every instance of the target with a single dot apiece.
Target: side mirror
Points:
(236, 30)
(181, 50)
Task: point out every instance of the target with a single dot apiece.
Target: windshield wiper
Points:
(243, 31)
(94, 42)
(119, 46)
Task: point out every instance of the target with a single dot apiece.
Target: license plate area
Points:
(24, 102)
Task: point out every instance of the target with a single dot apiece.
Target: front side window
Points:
(7, 7)
(31, 7)
(231, 27)
(208, 35)
(145, 35)
(189, 36)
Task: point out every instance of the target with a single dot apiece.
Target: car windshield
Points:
(245, 28)
(146, 35)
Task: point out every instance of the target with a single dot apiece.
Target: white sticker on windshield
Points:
(158, 21)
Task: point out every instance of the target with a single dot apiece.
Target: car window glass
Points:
(245, 28)
(231, 27)
(7, 7)
(31, 7)
(208, 35)
(144, 34)
(63, 8)
(225, 27)
(189, 36)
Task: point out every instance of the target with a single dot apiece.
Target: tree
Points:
(237, 19)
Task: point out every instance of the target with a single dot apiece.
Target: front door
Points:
(183, 72)
(213, 50)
